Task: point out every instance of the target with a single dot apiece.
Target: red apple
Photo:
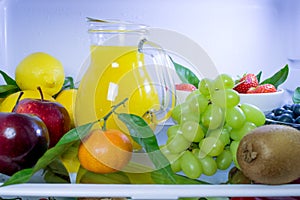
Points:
(24, 139)
(53, 114)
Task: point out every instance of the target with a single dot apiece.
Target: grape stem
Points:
(105, 118)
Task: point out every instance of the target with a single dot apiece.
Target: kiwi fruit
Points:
(270, 154)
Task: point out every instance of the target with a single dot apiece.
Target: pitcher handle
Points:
(163, 69)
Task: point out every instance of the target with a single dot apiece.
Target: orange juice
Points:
(115, 73)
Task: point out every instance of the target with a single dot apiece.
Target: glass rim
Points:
(114, 26)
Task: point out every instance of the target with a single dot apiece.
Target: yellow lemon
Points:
(10, 101)
(67, 98)
(40, 69)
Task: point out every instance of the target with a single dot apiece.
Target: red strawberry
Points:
(265, 88)
(245, 83)
(185, 87)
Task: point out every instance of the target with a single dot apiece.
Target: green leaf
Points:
(118, 177)
(19, 177)
(6, 90)
(76, 134)
(143, 135)
(68, 84)
(258, 76)
(8, 79)
(51, 154)
(185, 75)
(278, 78)
(56, 172)
(296, 95)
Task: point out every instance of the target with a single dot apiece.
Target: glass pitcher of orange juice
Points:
(124, 64)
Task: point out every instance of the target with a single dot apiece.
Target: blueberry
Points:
(290, 112)
(288, 106)
(296, 109)
(278, 111)
(286, 118)
(297, 120)
(271, 115)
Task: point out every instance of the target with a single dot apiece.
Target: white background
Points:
(239, 35)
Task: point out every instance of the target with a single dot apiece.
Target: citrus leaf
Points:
(51, 154)
(118, 177)
(76, 134)
(6, 90)
(278, 78)
(19, 177)
(144, 136)
(68, 84)
(296, 95)
(185, 75)
(8, 79)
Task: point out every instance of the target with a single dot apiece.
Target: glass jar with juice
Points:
(124, 64)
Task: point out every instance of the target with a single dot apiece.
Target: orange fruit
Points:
(105, 151)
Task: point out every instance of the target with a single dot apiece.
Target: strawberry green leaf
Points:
(258, 76)
(278, 78)
(185, 75)
(296, 95)
(8, 79)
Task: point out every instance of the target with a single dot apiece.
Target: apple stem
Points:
(105, 118)
(18, 99)
(41, 92)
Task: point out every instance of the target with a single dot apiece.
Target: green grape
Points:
(178, 110)
(190, 165)
(192, 131)
(213, 117)
(174, 159)
(233, 150)
(224, 160)
(224, 81)
(164, 150)
(192, 94)
(223, 133)
(235, 117)
(197, 102)
(209, 165)
(177, 144)
(182, 113)
(176, 165)
(227, 98)
(211, 146)
(253, 114)
(174, 130)
(206, 87)
(238, 134)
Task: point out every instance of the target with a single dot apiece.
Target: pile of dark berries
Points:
(288, 113)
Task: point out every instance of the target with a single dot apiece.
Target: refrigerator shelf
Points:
(149, 191)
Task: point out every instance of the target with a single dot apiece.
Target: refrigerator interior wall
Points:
(239, 35)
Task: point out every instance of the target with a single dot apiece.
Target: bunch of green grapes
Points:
(208, 128)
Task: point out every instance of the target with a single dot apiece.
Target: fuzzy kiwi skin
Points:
(270, 154)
